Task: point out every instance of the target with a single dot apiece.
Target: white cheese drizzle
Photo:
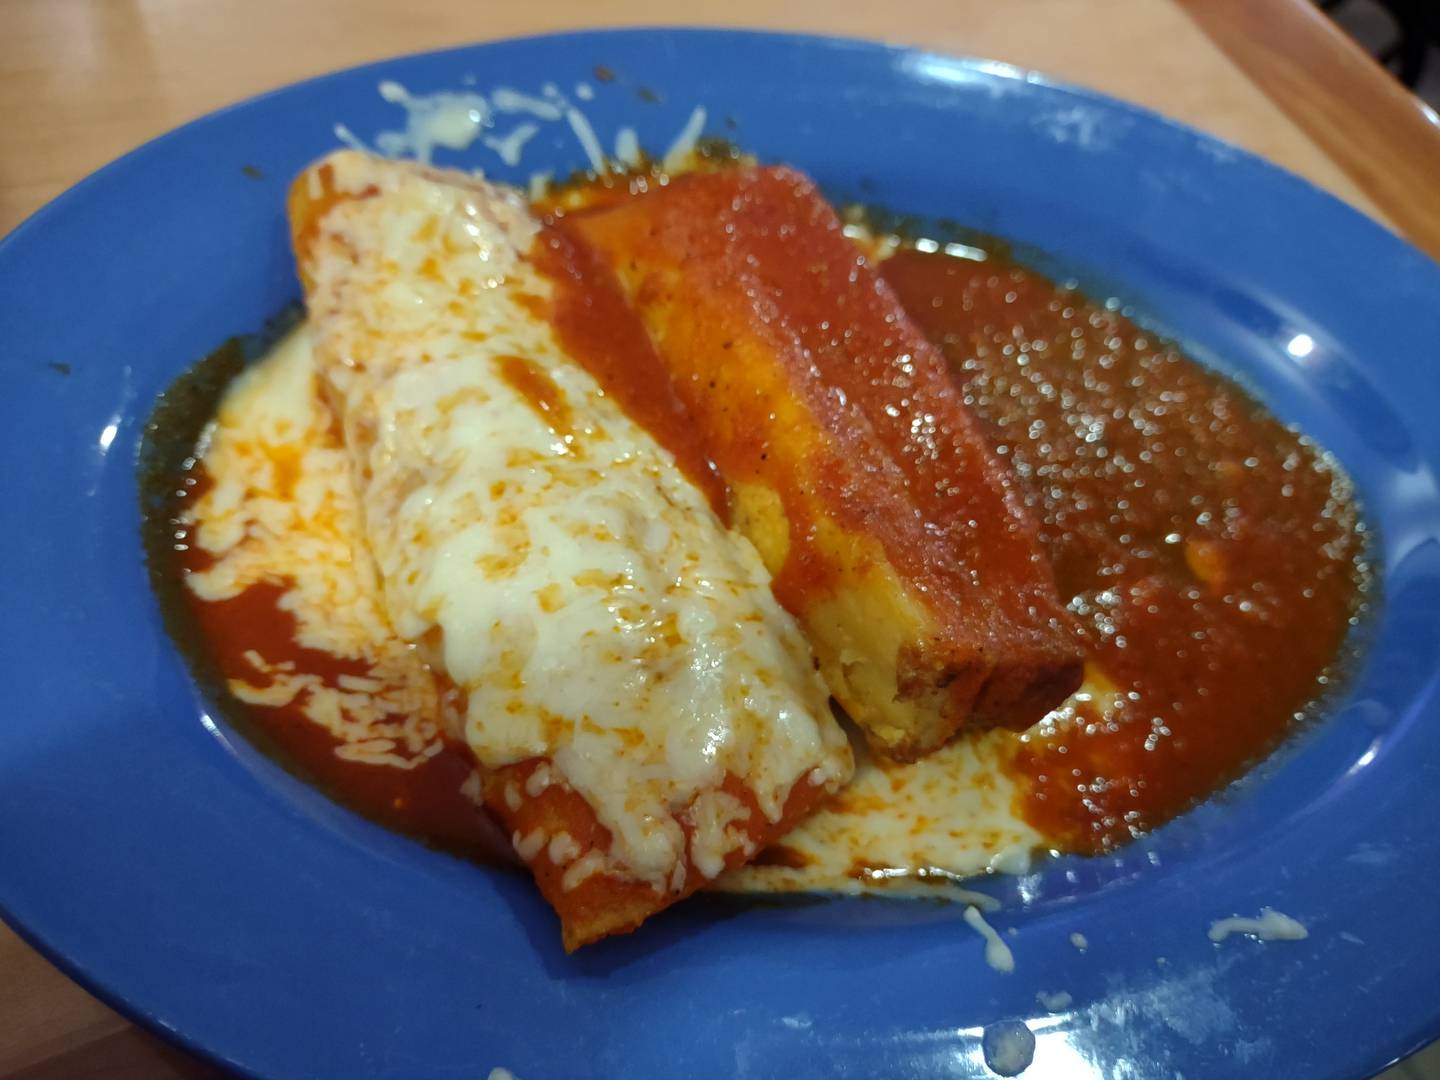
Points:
(1270, 926)
(457, 119)
(997, 953)
(1056, 1002)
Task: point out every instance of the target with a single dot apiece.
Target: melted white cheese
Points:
(587, 603)
(449, 119)
(455, 119)
(1056, 1002)
(510, 145)
(916, 829)
(627, 148)
(280, 511)
(911, 829)
(678, 156)
(1270, 926)
(997, 953)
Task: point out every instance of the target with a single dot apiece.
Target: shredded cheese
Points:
(549, 555)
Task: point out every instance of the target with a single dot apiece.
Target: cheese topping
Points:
(280, 511)
(1270, 926)
(573, 585)
(997, 953)
(455, 119)
(1058, 1001)
(913, 828)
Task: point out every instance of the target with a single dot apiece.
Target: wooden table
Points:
(82, 81)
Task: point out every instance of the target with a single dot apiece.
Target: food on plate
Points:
(894, 532)
(1214, 558)
(645, 714)
(573, 517)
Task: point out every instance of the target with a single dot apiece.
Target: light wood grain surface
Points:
(86, 80)
(1385, 138)
(82, 81)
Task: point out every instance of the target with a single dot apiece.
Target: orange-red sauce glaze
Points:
(762, 276)
(539, 392)
(596, 324)
(1212, 555)
(425, 801)
(603, 903)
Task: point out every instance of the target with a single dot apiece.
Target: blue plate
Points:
(202, 890)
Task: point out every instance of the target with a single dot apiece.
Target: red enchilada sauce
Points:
(424, 801)
(1212, 556)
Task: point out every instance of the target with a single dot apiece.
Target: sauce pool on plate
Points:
(1214, 558)
(293, 658)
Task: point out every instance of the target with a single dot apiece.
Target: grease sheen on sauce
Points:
(1212, 556)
